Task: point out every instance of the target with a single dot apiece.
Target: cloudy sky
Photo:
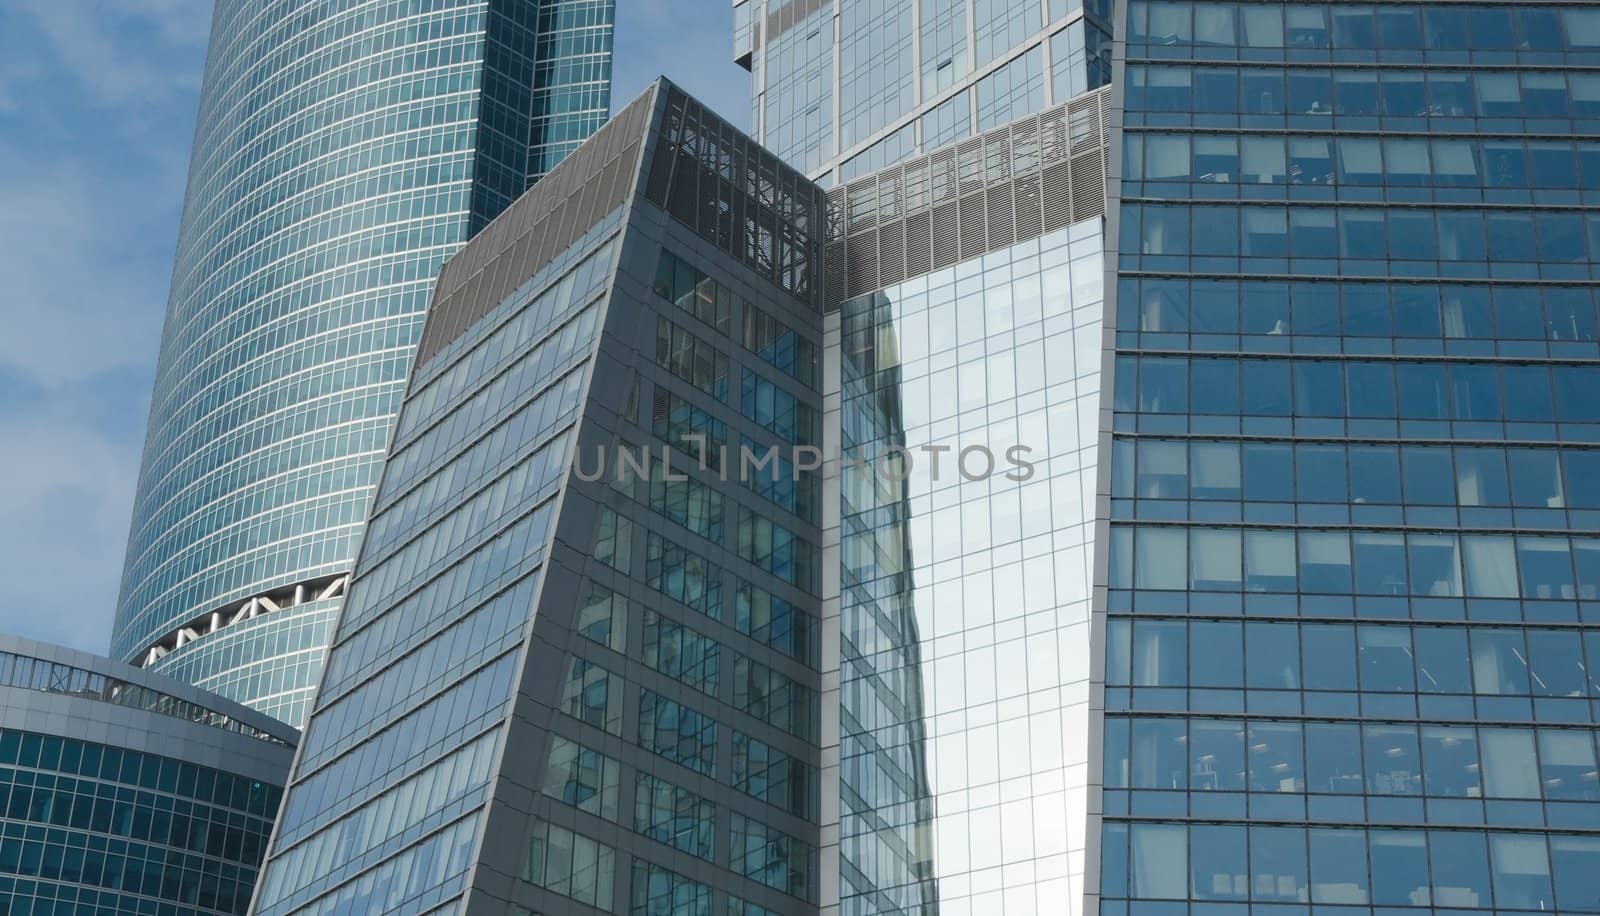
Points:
(97, 103)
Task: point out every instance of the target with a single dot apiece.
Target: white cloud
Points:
(107, 46)
(97, 103)
(91, 171)
(64, 507)
(80, 296)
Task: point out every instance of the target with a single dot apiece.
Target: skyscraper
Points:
(566, 684)
(557, 687)
(840, 88)
(1225, 545)
(343, 151)
(1349, 581)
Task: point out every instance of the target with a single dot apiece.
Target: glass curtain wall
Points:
(1351, 582)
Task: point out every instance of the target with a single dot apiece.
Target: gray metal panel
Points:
(588, 184)
(1010, 185)
(121, 671)
(85, 719)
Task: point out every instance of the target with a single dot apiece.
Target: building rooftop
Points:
(30, 665)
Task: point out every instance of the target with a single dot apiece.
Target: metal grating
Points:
(740, 197)
(919, 244)
(946, 248)
(974, 239)
(1009, 185)
(892, 253)
(1002, 226)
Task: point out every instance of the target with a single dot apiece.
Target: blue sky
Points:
(97, 103)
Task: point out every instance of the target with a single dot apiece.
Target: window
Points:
(1216, 755)
(774, 698)
(764, 772)
(772, 857)
(677, 733)
(592, 694)
(694, 292)
(1460, 868)
(1338, 866)
(1160, 755)
(571, 865)
(1159, 654)
(1450, 762)
(583, 778)
(691, 359)
(683, 576)
(1278, 865)
(672, 815)
(1399, 867)
(1442, 660)
(1277, 763)
(1216, 653)
(659, 892)
(680, 652)
(1567, 764)
(603, 617)
(1158, 861)
(1521, 871)
(1272, 656)
(1577, 880)
(613, 541)
(1510, 768)
(1219, 862)
(1331, 665)
(1333, 758)
(1393, 764)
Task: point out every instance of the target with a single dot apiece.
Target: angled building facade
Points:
(1348, 573)
(342, 153)
(569, 684)
(561, 687)
(841, 88)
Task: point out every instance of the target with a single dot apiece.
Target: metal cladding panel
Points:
(1013, 184)
(596, 179)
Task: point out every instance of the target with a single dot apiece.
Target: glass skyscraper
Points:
(1350, 590)
(573, 677)
(841, 88)
(1204, 523)
(343, 151)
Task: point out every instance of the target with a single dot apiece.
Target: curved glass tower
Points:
(343, 151)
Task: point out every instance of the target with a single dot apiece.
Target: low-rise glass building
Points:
(126, 792)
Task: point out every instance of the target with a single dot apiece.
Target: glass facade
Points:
(91, 829)
(125, 792)
(1349, 576)
(574, 676)
(908, 76)
(421, 675)
(969, 414)
(341, 155)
